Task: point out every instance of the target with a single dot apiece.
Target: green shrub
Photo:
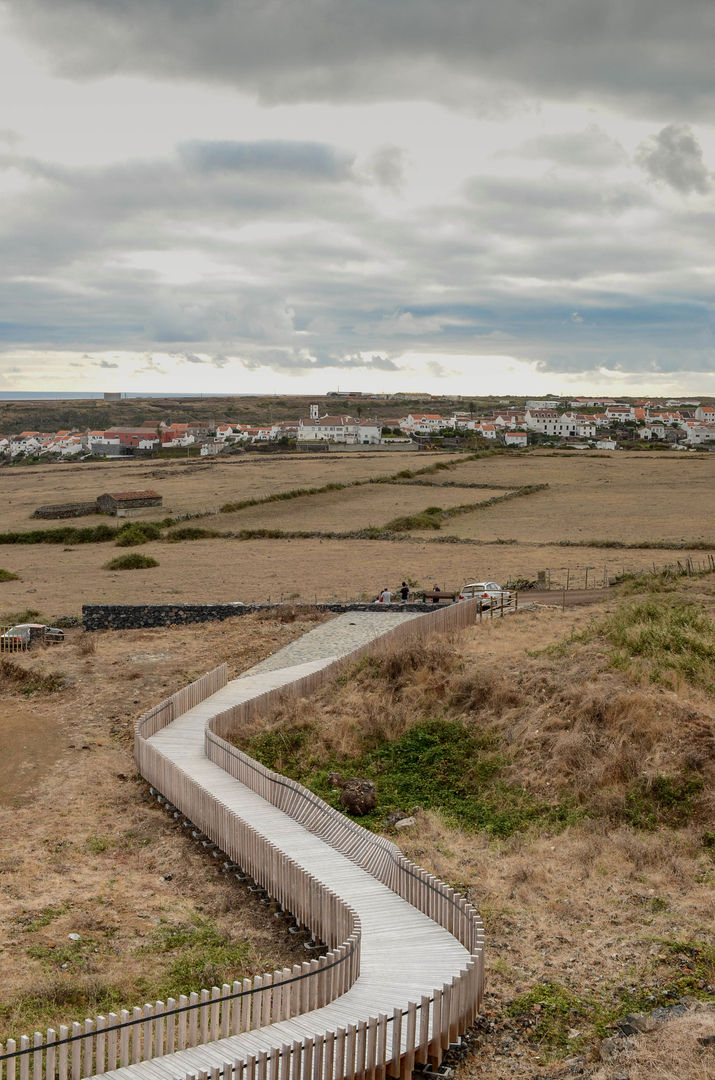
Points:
(135, 561)
(138, 532)
(191, 532)
(7, 575)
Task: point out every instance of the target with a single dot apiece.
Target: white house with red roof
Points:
(422, 423)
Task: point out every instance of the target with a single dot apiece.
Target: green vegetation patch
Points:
(663, 641)
(201, 956)
(431, 518)
(439, 765)
(137, 532)
(8, 575)
(135, 561)
(664, 800)
(192, 532)
(65, 534)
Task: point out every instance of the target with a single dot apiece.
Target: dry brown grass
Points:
(587, 498)
(84, 848)
(186, 487)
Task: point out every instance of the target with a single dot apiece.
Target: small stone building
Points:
(113, 501)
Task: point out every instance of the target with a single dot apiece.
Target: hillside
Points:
(559, 767)
(51, 415)
(561, 776)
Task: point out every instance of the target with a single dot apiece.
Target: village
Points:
(583, 423)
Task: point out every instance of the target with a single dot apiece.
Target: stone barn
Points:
(113, 501)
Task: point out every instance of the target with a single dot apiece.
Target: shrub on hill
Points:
(7, 575)
(135, 561)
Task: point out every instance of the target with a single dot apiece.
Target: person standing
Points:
(404, 592)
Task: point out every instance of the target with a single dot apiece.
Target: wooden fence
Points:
(372, 1048)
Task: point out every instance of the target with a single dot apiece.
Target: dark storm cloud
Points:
(304, 159)
(653, 52)
(674, 157)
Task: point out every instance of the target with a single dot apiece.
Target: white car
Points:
(20, 636)
(489, 591)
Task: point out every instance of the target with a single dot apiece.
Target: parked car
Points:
(489, 591)
(19, 636)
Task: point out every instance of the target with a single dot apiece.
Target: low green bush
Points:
(7, 575)
(135, 561)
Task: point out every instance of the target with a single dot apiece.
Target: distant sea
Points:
(86, 395)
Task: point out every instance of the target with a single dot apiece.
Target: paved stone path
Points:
(335, 638)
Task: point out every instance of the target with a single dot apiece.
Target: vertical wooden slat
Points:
(285, 1062)
(307, 1059)
(422, 1054)
(10, 1048)
(51, 1058)
(147, 1033)
(246, 1006)
(408, 1062)
(135, 1037)
(318, 1051)
(75, 1054)
(396, 1042)
(274, 1059)
(204, 1016)
(296, 1060)
(37, 1040)
(193, 1017)
(87, 1048)
(25, 1059)
(381, 1070)
(226, 1006)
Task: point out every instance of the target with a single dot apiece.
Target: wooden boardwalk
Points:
(403, 974)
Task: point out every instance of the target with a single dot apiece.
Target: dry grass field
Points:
(615, 496)
(187, 486)
(632, 498)
(85, 850)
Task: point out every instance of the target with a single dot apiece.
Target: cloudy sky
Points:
(292, 196)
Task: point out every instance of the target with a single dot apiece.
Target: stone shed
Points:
(113, 501)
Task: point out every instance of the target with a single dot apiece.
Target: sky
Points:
(296, 196)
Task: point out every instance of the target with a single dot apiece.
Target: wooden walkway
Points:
(403, 974)
(404, 954)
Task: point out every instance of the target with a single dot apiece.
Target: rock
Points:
(358, 796)
(394, 816)
(610, 1048)
(405, 823)
(74, 937)
(335, 780)
(707, 1040)
(635, 1023)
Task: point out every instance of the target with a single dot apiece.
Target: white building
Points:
(422, 423)
(515, 438)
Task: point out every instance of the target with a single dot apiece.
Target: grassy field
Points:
(659, 501)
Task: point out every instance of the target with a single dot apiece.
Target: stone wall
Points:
(66, 510)
(139, 616)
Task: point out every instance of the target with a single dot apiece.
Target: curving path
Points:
(405, 956)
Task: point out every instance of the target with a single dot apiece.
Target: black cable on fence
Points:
(175, 1012)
